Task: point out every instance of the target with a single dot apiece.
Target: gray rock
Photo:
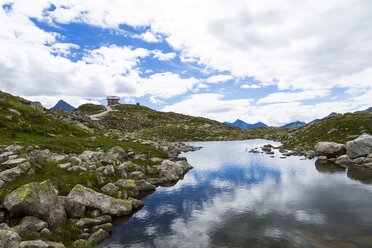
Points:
(52, 244)
(145, 186)
(14, 161)
(8, 237)
(13, 148)
(56, 158)
(344, 160)
(29, 225)
(84, 235)
(33, 244)
(330, 149)
(91, 139)
(2, 183)
(95, 213)
(77, 168)
(39, 200)
(89, 222)
(137, 204)
(75, 160)
(107, 227)
(109, 170)
(81, 243)
(45, 231)
(137, 175)
(110, 188)
(359, 160)
(98, 236)
(65, 166)
(369, 156)
(38, 154)
(106, 204)
(12, 174)
(322, 158)
(127, 184)
(73, 208)
(360, 147)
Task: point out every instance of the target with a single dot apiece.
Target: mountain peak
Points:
(243, 125)
(62, 105)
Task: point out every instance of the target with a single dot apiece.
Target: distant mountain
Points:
(296, 124)
(62, 105)
(364, 111)
(244, 125)
(333, 113)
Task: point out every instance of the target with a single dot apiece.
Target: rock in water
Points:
(39, 200)
(361, 146)
(106, 204)
(330, 149)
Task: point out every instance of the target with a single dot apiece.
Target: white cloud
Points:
(210, 106)
(63, 48)
(149, 37)
(163, 56)
(154, 100)
(218, 79)
(250, 86)
(293, 96)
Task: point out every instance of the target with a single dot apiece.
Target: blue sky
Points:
(252, 60)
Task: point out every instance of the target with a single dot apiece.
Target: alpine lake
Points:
(233, 198)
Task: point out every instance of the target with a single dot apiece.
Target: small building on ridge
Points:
(112, 100)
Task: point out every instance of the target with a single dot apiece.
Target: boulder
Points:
(52, 244)
(39, 200)
(29, 225)
(33, 244)
(127, 184)
(12, 162)
(107, 227)
(65, 166)
(75, 160)
(98, 236)
(89, 222)
(110, 188)
(137, 204)
(8, 237)
(12, 174)
(81, 243)
(360, 147)
(330, 149)
(73, 209)
(13, 148)
(106, 204)
(145, 186)
(344, 160)
(322, 158)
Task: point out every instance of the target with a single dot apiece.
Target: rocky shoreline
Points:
(355, 154)
(34, 213)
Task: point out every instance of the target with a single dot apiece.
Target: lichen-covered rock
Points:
(106, 204)
(361, 146)
(137, 175)
(39, 200)
(75, 160)
(73, 209)
(110, 188)
(12, 162)
(81, 243)
(33, 244)
(128, 184)
(107, 227)
(89, 222)
(9, 238)
(330, 149)
(137, 204)
(98, 236)
(29, 225)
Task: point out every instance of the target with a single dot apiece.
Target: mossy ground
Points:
(91, 109)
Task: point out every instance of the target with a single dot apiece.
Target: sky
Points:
(256, 60)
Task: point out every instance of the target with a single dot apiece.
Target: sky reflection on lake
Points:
(233, 198)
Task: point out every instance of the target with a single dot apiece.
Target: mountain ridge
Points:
(62, 105)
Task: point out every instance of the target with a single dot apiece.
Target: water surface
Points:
(233, 198)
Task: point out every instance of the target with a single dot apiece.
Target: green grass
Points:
(338, 128)
(66, 233)
(91, 109)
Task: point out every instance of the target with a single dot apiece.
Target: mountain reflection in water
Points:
(233, 198)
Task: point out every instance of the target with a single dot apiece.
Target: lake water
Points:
(233, 198)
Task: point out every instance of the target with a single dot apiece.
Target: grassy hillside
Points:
(151, 124)
(90, 109)
(45, 129)
(338, 128)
